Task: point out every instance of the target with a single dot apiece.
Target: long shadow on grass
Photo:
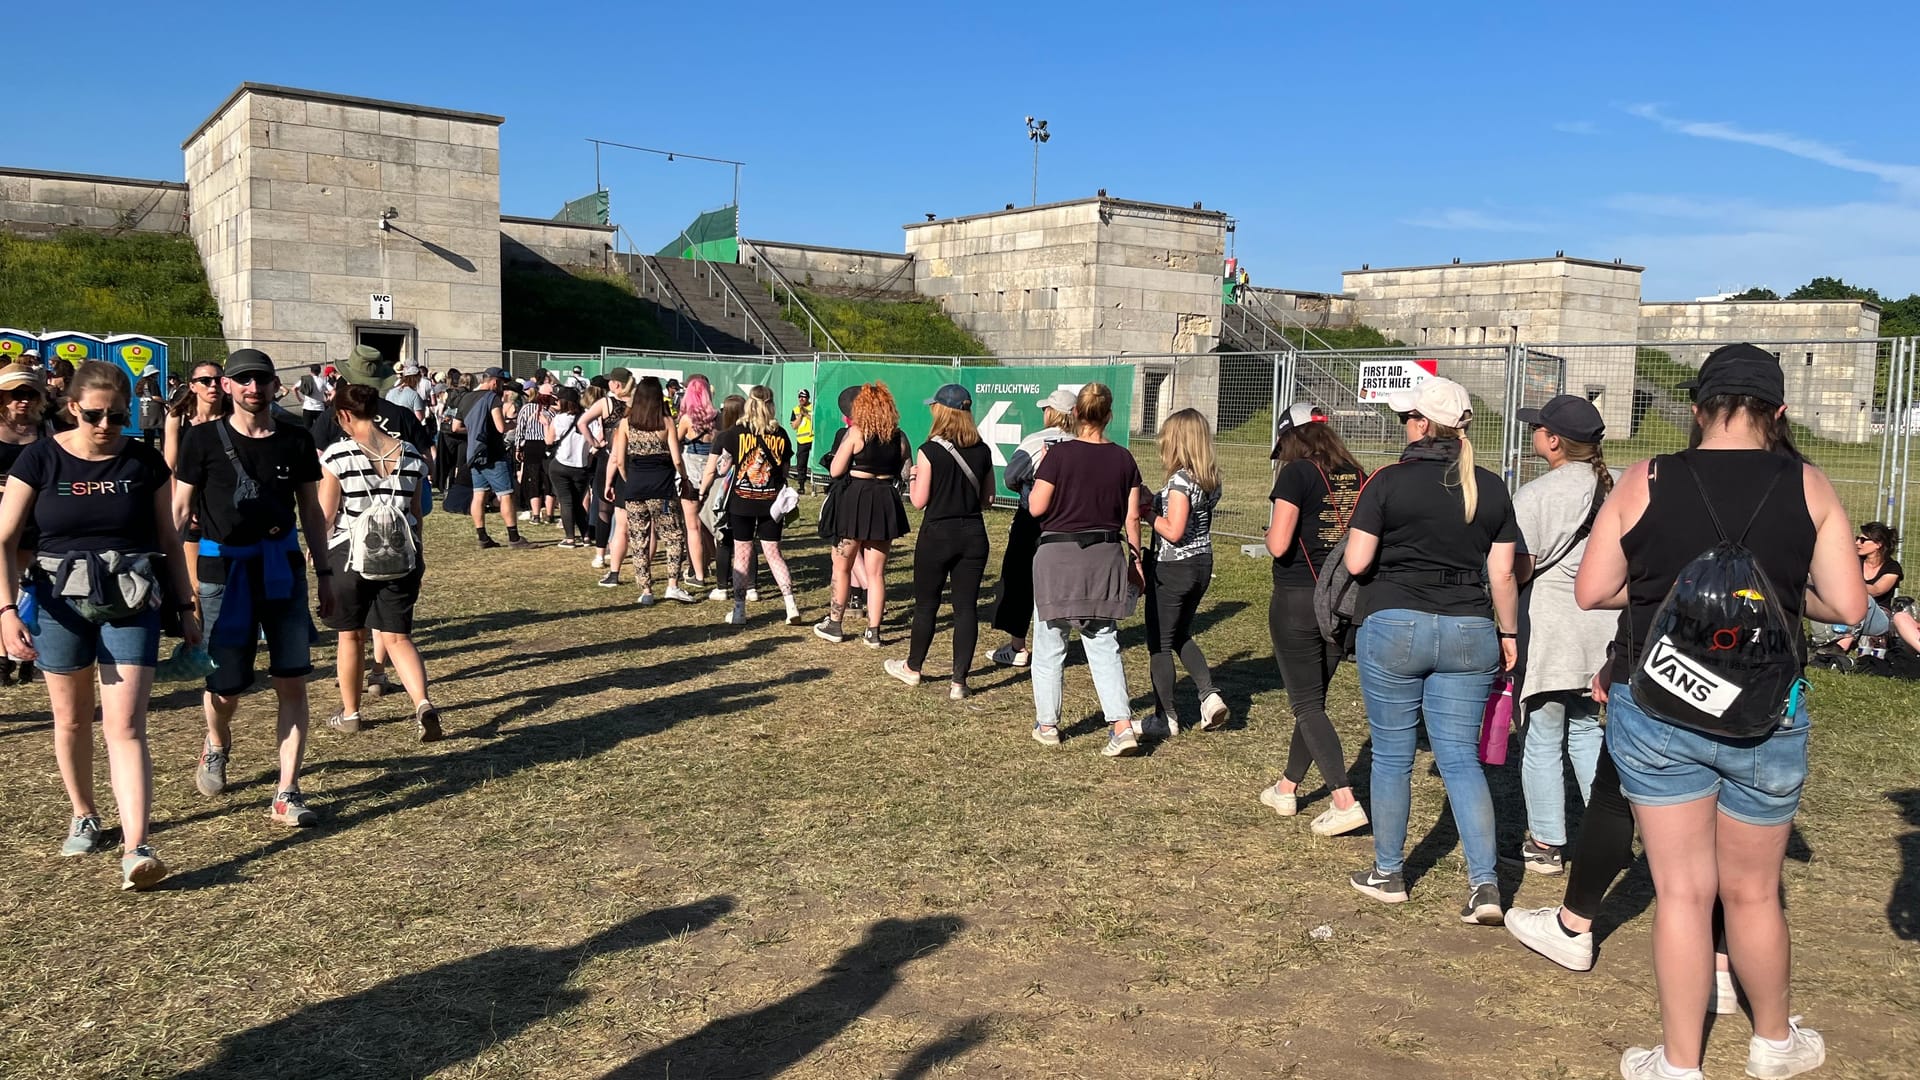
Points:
(770, 1040)
(429, 778)
(954, 1042)
(1903, 907)
(418, 1024)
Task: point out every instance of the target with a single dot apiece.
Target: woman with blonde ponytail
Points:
(1432, 545)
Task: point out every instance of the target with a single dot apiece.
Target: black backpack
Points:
(1721, 656)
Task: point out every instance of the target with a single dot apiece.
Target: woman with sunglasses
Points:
(204, 400)
(22, 405)
(1432, 544)
(102, 501)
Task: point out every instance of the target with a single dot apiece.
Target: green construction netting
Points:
(585, 210)
(712, 236)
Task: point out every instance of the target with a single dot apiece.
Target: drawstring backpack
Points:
(380, 544)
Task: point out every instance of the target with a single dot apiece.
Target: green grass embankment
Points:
(136, 283)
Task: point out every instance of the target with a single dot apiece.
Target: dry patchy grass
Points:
(657, 846)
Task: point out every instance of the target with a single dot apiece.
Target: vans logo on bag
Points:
(1671, 668)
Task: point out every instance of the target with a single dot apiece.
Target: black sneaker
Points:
(1483, 906)
(1386, 888)
(488, 542)
(427, 719)
(870, 638)
(829, 629)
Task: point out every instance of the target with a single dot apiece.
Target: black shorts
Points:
(359, 604)
(742, 527)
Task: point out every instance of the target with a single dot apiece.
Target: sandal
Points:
(1007, 655)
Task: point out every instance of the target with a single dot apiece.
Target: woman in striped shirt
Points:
(366, 467)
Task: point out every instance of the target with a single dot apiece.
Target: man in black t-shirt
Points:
(489, 464)
(254, 482)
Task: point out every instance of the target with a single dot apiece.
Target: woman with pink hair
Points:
(697, 420)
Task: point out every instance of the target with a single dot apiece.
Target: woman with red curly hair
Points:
(868, 513)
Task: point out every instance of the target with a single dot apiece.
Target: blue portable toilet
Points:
(15, 342)
(71, 346)
(139, 355)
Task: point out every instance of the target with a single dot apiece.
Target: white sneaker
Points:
(599, 560)
(717, 594)
(1539, 929)
(956, 692)
(1284, 803)
(525, 514)
(1726, 996)
(793, 610)
(1213, 712)
(675, 592)
(899, 670)
(1334, 821)
(737, 615)
(1640, 1063)
(1805, 1050)
(753, 595)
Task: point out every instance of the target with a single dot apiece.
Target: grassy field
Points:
(656, 846)
(892, 327)
(137, 283)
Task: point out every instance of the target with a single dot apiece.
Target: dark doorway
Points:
(394, 345)
(1150, 401)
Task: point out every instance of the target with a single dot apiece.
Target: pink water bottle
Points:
(1497, 722)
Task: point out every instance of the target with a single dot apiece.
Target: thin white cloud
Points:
(1459, 219)
(1907, 177)
(1577, 127)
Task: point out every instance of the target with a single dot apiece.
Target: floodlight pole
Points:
(1037, 133)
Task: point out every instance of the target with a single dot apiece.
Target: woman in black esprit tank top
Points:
(1714, 813)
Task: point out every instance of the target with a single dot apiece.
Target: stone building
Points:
(351, 221)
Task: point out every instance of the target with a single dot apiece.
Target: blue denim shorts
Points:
(68, 641)
(1757, 781)
(497, 478)
(288, 629)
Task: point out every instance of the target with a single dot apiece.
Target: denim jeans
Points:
(1100, 641)
(1562, 716)
(1415, 664)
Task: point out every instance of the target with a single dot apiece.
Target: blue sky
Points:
(1718, 145)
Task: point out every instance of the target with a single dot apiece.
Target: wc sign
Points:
(1378, 378)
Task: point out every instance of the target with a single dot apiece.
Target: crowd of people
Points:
(1444, 590)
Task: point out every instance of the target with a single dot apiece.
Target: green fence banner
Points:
(1006, 400)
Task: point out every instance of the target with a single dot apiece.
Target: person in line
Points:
(829, 527)
(577, 379)
(22, 423)
(252, 482)
(602, 419)
(1715, 812)
(696, 429)
(953, 483)
(1432, 544)
(367, 468)
(450, 452)
(802, 420)
(406, 390)
(1561, 646)
(647, 477)
(58, 417)
(151, 408)
(1181, 567)
(868, 513)
(755, 455)
(1013, 613)
(312, 391)
(1315, 487)
(1087, 570)
(488, 459)
(99, 504)
(205, 400)
(568, 468)
(530, 427)
(732, 408)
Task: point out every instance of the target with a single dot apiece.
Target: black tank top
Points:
(950, 495)
(881, 458)
(1675, 528)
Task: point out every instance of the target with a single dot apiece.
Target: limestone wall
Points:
(37, 203)
(288, 188)
(536, 242)
(1090, 278)
(1829, 381)
(845, 268)
(1311, 309)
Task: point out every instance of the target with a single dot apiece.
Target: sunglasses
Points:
(113, 417)
(253, 378)
(207, 380)
(1864, 540)
(1406, 416)
(23, 393)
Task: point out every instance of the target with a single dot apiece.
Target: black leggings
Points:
(1174, 590)
(956, 550)
(1015, 612)
(1307, 664)
(601, 509)
(803, 453)
(570, 487)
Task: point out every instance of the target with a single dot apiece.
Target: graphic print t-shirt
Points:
(1198, 539)
(82, 505)
(279, 464)
(759, 467)
(1323, 517)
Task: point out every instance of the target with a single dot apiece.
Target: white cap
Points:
(1060, 401)
(1442, 401)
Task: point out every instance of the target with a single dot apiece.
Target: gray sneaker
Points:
(211, 776)
(870, 638)
(140, 868)
(1483, 906)
(829, 630)
(1386, 888)
(1121, 743)
(83, 837)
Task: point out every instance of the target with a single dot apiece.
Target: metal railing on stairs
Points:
(819, 338)
(656, 287)
(750, 323)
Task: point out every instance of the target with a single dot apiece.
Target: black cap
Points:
(495, 373)
(953, 396)
(1569, 416)
(247, 362)
(1746, 370)
(846, 400)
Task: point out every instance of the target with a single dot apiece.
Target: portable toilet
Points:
(15, 342)
(139, 355)
(71, 346)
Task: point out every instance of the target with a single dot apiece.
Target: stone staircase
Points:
(730, 312)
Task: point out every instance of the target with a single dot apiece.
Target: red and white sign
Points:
(1378, 378)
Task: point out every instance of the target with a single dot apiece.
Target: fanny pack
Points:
(103, 586)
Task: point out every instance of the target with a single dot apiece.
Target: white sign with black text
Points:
(380, 307)
(1378, 378)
